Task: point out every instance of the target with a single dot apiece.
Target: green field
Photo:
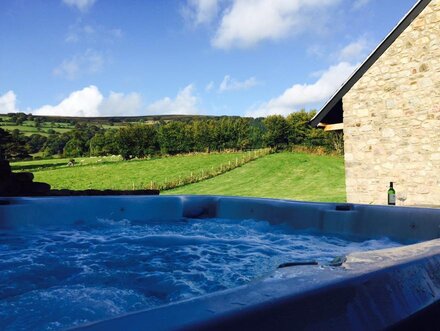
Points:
(296, 176)
(56, 163)
(125, 175)
(30, 129)
(59, 124)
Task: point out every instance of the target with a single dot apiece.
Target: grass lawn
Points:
(38, 165)
(293, 176)
(126, 175)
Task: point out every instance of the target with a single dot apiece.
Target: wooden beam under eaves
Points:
(331, 127)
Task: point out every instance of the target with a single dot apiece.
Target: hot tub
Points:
(369, 290)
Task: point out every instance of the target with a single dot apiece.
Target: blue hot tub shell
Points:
(367, 291)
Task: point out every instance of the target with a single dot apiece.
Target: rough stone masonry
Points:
(392, 119)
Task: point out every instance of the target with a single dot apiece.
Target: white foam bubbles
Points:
(60, 277)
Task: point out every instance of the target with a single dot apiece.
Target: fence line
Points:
(203, 174)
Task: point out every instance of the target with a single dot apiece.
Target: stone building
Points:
(389, 110)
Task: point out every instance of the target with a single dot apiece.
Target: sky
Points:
(207, 57)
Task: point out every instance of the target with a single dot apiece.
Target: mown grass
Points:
(295, 176)
(127, 175)
(53, 163)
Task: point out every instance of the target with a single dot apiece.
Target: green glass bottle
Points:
(391, 195)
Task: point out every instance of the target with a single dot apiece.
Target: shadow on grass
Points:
(38, 166)
(58, 165)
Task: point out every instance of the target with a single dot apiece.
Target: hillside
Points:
(293, 176)
(296, 176)
(27, 124)
(112, 173)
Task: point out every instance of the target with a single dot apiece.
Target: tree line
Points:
(171, 137)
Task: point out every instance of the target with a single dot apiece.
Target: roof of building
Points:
(332, 112)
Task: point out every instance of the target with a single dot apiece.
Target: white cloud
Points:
(92, 33)
(120, 104)
(184, 103)
(301, 95)
(8, 103)
(77, 32)
(210, 86)
(231, 84)
(88, 63)
(360, 3)
(89, 102)
(84, 102)
(248, 22)
(355, 51)
(200, 11)
(81, 5)
(68, 69)
(316, 50)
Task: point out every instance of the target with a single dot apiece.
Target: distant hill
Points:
(29, 124)
(126, 119)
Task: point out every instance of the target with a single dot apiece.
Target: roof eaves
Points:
(371, 59)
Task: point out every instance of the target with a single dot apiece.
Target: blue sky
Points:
(214, 57)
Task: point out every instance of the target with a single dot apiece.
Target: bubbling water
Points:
(59, 277)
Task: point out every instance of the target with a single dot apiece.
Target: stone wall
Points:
(392, 119)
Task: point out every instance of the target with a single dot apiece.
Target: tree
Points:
(298, 127)
(337, 141)
(242, 133)
(20, 118)
(201, 135)
(5, 140)
(276, 133)
(38, 121)
(256, 133)
(137, 141)
(55, 144)
(104, 143)
(74, 147)
(174, 138)
(35, 143)
(318, 137)
(12, 146)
